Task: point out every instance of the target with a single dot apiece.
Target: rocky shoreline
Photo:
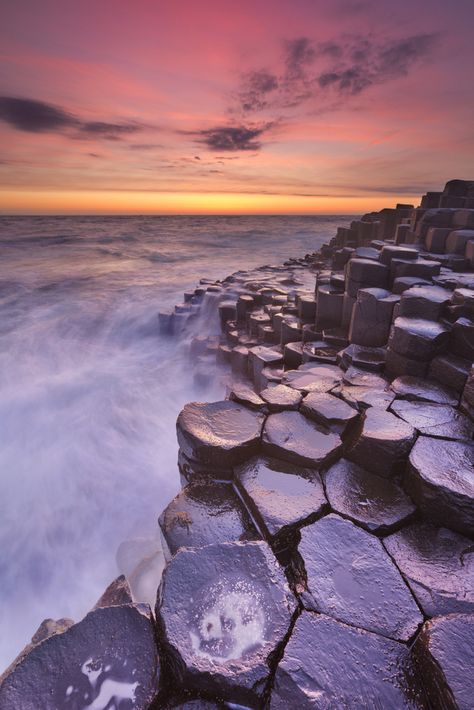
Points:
(321, 551)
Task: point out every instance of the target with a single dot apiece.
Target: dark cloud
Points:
(232, 138)
(256, 86)
(345, 66)
(300, 53)
(40, 117)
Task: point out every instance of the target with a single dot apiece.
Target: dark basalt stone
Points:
(109, 656)
(417, 338)
(279, 495)
(364, 397)
(366, 358)
(382, 443)
(118, 592)
(316, 378)
(443, 655)
(440, 479)
(450, 370)
(360, 378)
(328, 664)
(350, 577)
(245, 395)
(439, 420)
(438, 565)
(419, 389)
(292, 437)
(330, 411)
(219, 433)
(205, 513)
(377, 504)
(280, 398)
(221, 634)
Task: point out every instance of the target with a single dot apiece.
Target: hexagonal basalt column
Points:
(222, 612)
(350, 576)
(328, 664)
(280, 496)
(219, 434)
(205, 513)
(383, 442)
(292, 437)
(440, 479)
(110, 655)
(438, 566)
(377, 504)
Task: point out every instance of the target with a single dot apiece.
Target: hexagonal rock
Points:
(440, 480)
(351, 578)
(330, 411)
(328, 664)
(205, 513)
(360, 378)
(419, 389)
(377, 504)
(315, 378)
(438, 420)
(280, 496)
(450, 370)
(109, 656)
(438, 566)
(236, 610)
(219, 433)
(383, 441)
(364, 397)
(365, 358)
(245, 395)
(280, 398)
(427, 302)
(443, 655)
(417, 338)
(292, 437)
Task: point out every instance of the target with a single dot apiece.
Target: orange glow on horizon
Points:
(22, 202)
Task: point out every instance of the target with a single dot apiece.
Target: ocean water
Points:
(89, 390)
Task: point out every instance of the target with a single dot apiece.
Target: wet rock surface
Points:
(416, 388)
(350, 577)
(280, 495)
(329, 411)
(328, 664)
(205, 513)
(280, 398)
(236, 611)
(219, 433)
(108, 657)
(382, 442)
(377, 504)
(438, 565)
(440, 481)
(313, 378)
(444, 658)
(439, 420)
(293, 437)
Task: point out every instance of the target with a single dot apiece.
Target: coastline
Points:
(315, 501)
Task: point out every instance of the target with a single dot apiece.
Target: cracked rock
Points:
(383, 442)
(351, 578)
(280, 496)
(220, 434)
(438, 565)
(280, 398)
(292, 437)
(377, 504)
(417, 338)
(110, 655)
(221, 634)
(328, 664)
(440, 480)
(444, 657)
(439, 420)
(205, 513)
(419, 389)
(313, 378)
(332, 412)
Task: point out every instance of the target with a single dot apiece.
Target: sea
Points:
(90, 390)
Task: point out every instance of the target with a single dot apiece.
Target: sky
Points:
(219, 106)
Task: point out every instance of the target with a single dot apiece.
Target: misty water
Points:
(90, 392)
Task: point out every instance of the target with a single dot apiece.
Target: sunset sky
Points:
(216, 106)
